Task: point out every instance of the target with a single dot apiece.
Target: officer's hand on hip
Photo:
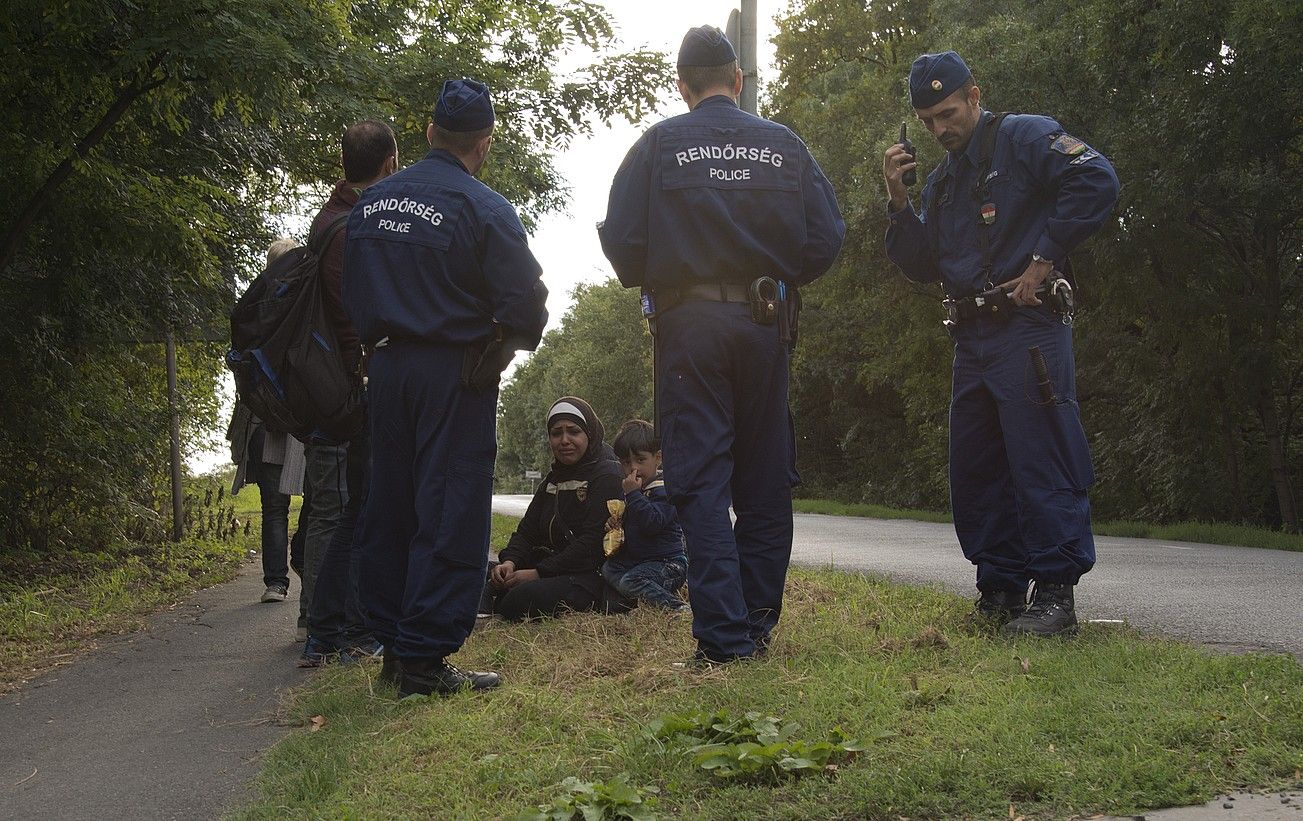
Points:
(894, 165)
(1024, 287)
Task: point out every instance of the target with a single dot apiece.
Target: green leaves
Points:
(754, 747)
(614, 800)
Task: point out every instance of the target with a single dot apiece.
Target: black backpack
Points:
(286, 360)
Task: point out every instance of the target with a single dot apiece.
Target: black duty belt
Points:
(703, 292)
(997, 303)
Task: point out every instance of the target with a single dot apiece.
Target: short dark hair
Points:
(458, 142)
(636, 435)
(700, 78)
(367, 144)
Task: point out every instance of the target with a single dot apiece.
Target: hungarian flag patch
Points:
(1068, 145)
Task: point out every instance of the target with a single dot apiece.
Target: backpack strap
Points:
(982, 190)
(319, 242)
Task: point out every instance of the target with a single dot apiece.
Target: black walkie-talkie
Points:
(911, 176)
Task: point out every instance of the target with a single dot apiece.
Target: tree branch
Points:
(27, 215)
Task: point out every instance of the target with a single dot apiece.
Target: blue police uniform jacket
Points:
(720, 195)
(435, 255)
(1050, 191)
(651, 527)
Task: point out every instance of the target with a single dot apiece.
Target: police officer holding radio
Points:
(997, 221)
(440, 281)
(719, 216)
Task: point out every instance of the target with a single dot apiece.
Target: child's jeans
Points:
(656, 581)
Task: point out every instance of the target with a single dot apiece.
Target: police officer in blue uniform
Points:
(440, 281)
(998, 218)
(719, 216)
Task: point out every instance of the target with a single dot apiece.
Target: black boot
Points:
(424, 677)
(390, 670)
(995, 607)
(1051, 613)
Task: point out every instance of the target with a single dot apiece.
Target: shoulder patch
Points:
(1084, 158)
(1068, 145)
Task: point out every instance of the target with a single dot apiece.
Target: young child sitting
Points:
(651, 564)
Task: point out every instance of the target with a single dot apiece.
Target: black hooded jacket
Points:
(561, 533)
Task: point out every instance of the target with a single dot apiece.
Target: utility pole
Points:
(741, 32)
(174, 411)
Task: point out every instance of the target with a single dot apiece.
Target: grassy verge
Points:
(53, 606)
(1204, 532)
(955, 723)
(832, 508)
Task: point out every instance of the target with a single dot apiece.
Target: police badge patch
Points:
(1068, 145)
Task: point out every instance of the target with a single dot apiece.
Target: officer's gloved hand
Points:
(495, 359)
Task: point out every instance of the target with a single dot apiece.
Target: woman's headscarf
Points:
(576, 410)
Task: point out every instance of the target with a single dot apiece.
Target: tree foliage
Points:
(151, 147)
(1189, 345)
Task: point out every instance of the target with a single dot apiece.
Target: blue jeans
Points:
(324, 478)
(654, 582)
(275, 514)
(336, 613)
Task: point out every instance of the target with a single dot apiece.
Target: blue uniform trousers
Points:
(425, 529)
(726, 437)
(1019, 466)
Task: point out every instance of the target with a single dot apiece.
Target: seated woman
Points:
(553, 561)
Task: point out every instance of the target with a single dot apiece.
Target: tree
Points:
(151, 147)
(1191, 368)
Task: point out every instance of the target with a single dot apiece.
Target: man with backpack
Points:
(338, 466)
(442, 283)
(1014, 196)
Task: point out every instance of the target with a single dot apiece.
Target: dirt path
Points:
(167, 723)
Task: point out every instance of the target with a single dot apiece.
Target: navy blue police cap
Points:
(464, 105)
(934, 77)
(706, 46)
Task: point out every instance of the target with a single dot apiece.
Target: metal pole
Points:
(178, 512)
(747, 57)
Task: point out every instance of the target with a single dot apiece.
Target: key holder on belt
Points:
(1063, 301)
(765, 297)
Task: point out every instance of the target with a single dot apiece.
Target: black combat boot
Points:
(390, 671)
(996, 607)
(1051, 613)
(423, 677)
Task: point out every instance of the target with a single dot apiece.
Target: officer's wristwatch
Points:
(1038, 258)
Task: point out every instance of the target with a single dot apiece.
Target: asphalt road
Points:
(1237, 598)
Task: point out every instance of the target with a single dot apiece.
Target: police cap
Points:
(464, 105)
(706, 46)
(934, 77)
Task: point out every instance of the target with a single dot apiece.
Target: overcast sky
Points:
(565, 243)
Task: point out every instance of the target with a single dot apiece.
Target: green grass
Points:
(1203, 532)
(1109, 722)
(832, 508)
(54, 605)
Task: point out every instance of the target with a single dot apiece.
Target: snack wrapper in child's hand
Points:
(615, 536)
